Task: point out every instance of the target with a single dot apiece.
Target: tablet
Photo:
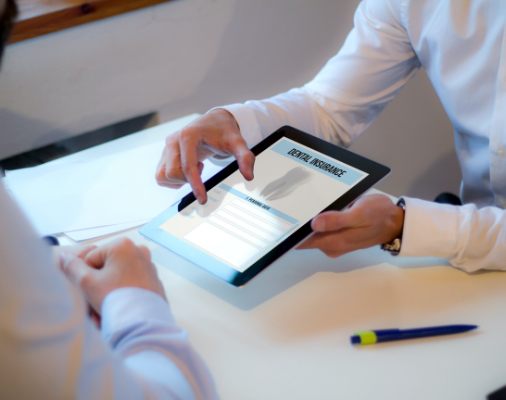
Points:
(245, 226)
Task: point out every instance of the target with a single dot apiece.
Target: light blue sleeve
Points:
(49, 348)
(140, 328)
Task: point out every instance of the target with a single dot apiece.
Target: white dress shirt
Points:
(462, 46)
(49, 348)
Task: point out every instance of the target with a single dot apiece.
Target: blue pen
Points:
(388, 335)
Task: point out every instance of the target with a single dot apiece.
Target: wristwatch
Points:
(394, 247)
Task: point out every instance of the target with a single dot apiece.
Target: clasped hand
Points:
(98, 271)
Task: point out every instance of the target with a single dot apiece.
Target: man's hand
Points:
(371, 220)
(104, 269)
(216, 132)
(60, 252)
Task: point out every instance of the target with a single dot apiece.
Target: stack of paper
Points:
(101, 190)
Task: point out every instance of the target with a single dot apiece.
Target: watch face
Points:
(394, 247)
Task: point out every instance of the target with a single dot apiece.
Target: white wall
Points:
(188, 55)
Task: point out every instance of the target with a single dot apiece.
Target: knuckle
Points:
(332, 253)
(328, 252)
(229, 141)
(186, 136)
(174, 173)
(144, 249)
(167, 175)
(174, 181)
(173, 185)
(187, 169)
(125, 243)
(86, 281)
(160, 175)
(236, 142)
(171, 140)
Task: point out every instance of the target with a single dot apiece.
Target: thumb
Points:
(332, 221)
(74, 267)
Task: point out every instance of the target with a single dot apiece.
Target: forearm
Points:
(307, 109)
(140, 328)
(297, 108)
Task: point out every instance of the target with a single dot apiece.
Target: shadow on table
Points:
(291, 269)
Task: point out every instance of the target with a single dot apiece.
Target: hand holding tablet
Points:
(371, 220)
(246, 225)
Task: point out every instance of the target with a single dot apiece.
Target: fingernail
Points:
(318, 225)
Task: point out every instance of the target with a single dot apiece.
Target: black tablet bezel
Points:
(374, 170)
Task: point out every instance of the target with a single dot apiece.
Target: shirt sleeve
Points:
(49, 347)
(350, 91)
(470, 238)
(139, 326)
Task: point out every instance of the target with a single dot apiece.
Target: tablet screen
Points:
(242, 220)
(244, 226)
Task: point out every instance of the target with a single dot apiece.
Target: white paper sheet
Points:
(83, 191)
(101, 231)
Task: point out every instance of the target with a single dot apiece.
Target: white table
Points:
(285, 335)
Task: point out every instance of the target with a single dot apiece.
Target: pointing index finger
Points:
(245, 159)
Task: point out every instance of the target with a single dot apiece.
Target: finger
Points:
(332, 244)
(190, 167)
(95, 317)
(172, 184)
(161, 168)
(162, 179)
(245, 158)
(85, 250)
(344, 241)
(168, 171)
(146, 253)
(322, 241)
(305, 244)
(172, 173)
(332, 221)
(74, 268)
(97, 257)
(165, 176)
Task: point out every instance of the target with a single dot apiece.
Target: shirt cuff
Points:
(430, 229)
(127, 307)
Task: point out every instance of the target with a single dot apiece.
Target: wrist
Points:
(125, 308)
(224, 116)
(394, 244)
